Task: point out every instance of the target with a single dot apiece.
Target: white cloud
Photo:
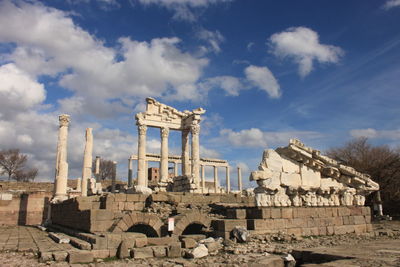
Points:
(391, 4)
(263, 78)
(48, 42)
(254, 137)
(213, 39)
(18, 90)
(303, 46)
(376, 134)
(208, 153)
(231, 85)
(183, 9)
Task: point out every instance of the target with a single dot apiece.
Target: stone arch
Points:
(128, 221)
(183, 221)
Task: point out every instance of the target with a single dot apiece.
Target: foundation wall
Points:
(24, 208)
(300, 221)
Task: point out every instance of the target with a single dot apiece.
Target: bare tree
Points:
(25, 175)
(381, 162)
(106, 168)
(11, 161)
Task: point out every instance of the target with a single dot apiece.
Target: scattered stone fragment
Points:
(199, 252)
(80, 256)
(289, 261)
(240, 233)
(123, 250)
(188, 243)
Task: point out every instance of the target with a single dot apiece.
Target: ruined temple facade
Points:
(297, 175)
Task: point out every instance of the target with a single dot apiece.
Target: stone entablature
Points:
(167, 118)
(297, 175)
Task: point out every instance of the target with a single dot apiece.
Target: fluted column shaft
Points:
(61, 177)
(164, 155)
(203, 180)
(196, 154)
(142, 129)
(175, 169)
(130, 170)
(97, 169)
(185, 153)
(216, 179)
(240, 186)
(87, 161)
(228, 180)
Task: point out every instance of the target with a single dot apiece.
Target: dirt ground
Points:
(380, 248)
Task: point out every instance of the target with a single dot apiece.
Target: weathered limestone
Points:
(141, 175)
(130, 172)
(114, 177)
(164, 159)
(87, 161)
(297, 175)
(61, 175)
(203, 179)
(79, 185)
(186, 170)
(228, 180)
(216, 182)
(175, 168)
(240, 185)
(168, 118)
(97, 169)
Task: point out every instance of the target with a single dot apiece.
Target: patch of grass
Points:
(110, 259)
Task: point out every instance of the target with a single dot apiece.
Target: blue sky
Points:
(265, 71)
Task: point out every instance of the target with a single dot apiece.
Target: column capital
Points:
(142, 129)
(64, 120)
(195, 128)
(164, 132)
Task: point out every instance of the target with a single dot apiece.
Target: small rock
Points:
(123, 250)
(199, 252)
(240, 233)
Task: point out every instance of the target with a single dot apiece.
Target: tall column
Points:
(130, 170)
(79, 185)
(203, 180)
(228, 180)
(61, 176)
(216, 179)
(164, 155)
(142, 129)
(240, 186)
(97, 169)
(186, 171)
(175, 169)
(195, 129)
(114, 176)
(87, 161)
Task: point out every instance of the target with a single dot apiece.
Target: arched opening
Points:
(144, 229)
(194, 229)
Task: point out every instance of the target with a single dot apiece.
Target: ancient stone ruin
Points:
(300, 192)
(297, 175)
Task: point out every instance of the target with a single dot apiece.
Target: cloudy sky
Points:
(265, 71)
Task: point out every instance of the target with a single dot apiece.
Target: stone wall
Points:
(300, 221)
(104, 213)
(24, 208)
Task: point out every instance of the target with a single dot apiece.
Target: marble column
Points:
(164, 155)
(97, 169)
(176, 169)
(87, 161)
(130, 170)
(186, 171)
(79, 184)
(141, 173)
(216, 179)
(195, 129)
(114, 176)
(240, 186)
(61, 176)
(228, 180)
(203, 179)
